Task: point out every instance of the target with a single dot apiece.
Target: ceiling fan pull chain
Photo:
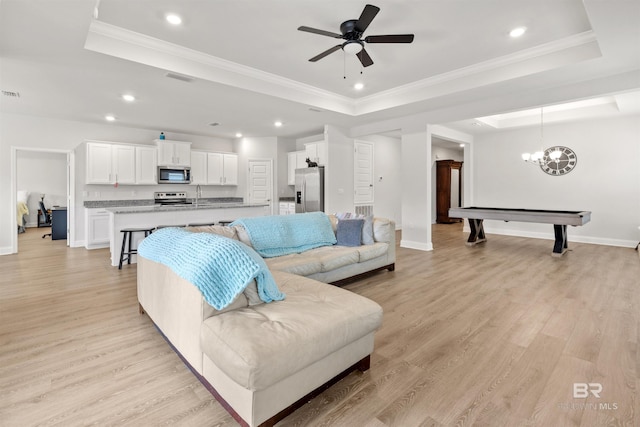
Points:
(344, 65)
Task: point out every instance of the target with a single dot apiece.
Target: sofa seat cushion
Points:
(260, 345)
(300, 264)
(333, 257)
(368, 252)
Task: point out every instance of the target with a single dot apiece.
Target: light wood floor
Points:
(493, 335)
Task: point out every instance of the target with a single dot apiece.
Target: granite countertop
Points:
(192, 207)
(287, 199)
(96, 204)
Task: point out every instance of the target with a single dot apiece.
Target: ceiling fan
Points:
(352, 31)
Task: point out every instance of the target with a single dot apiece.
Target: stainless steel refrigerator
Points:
(310, 189)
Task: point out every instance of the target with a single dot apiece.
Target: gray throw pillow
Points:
(349, 232)
(367, 231)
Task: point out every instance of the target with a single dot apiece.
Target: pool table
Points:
(559, 219)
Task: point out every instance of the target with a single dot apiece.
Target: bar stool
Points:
(225, 222)
(128, 234)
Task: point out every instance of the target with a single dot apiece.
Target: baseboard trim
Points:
(576, 239)
(6, 250)
(409, 244)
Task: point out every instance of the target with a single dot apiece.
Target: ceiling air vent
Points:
(180, 77)
(11, 94)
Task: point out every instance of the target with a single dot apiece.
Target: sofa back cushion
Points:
(220, 230)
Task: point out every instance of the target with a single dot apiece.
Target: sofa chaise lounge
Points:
(263, 360)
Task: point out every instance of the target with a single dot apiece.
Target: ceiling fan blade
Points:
(364, 58)
(394, 38)
(325, 53)
(321, 32)
(369, 12)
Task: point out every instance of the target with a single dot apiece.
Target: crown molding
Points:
(534, 60)
(126, 44)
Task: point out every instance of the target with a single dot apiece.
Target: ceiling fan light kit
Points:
(351, 31)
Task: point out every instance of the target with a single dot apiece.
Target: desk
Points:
(59, 223)
(559, 219)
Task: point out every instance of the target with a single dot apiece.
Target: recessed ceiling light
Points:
(174, 19)
(462, 145)
(517, 32)
(358, 86)
(109, 118)
(238, 135)
(128, 97)
(278, 124)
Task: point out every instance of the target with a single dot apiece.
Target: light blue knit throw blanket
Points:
(278, 235)
(219, 267)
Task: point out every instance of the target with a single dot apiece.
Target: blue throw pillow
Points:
(349, 232)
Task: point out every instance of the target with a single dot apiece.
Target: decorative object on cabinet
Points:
(448, 189)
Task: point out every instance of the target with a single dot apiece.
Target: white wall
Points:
(606, 180)
(338, 187)
(285, 145)
(416, 183)
(42, 173)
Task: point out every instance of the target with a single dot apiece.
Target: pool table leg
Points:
(561, 244)
(477, 232)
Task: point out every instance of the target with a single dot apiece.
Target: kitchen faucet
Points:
(198, 194)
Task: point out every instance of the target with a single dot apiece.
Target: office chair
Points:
(45, 218)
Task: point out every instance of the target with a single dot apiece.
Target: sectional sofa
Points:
(263, 360)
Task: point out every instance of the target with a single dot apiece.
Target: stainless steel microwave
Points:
(174, 175)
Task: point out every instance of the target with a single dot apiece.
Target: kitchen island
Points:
(152, 216)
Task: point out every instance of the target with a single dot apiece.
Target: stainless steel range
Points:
(172, 198)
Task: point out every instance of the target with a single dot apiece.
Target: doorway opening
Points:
(42, 175)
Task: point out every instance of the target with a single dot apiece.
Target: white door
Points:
(363, 172)
(260, 181)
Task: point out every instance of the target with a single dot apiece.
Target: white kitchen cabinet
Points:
(222, 169)
(97, 233)
(146, 165)
(98, 163)
(110, 163)
(230, 166)
(123, 164)
(295, 160)
(173, 153)
(198, 167)
(316, 152)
